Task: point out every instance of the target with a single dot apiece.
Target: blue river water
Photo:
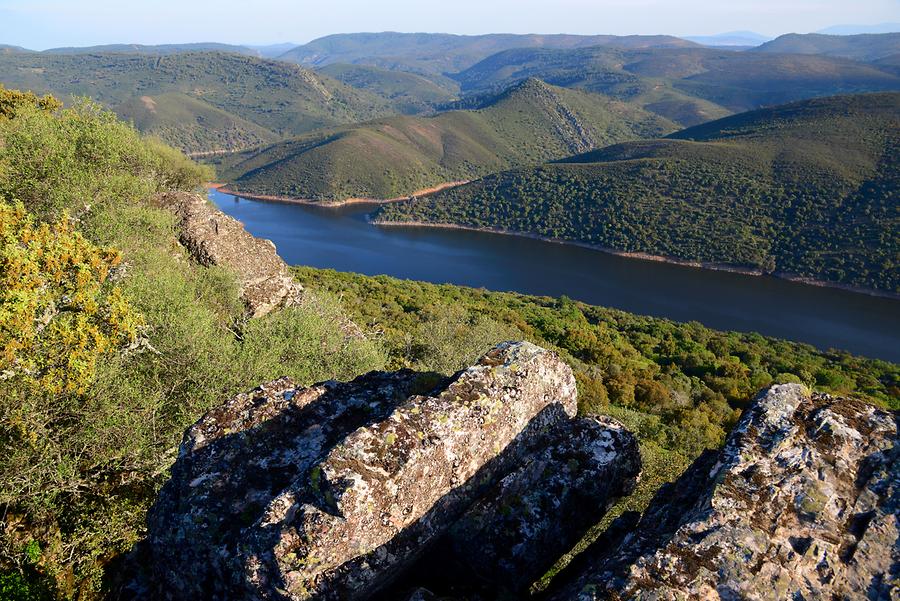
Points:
(342, 239)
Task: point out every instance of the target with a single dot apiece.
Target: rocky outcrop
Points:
(384, 492)
(236, 459)
(332, 491)
(802, 503)
(541, 510)
(213, 238)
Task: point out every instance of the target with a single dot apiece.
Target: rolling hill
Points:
(807, 188)
(687, 85)
(862, 47)
(408, 92)
(387, 158)
(255, 99)
(437, 54)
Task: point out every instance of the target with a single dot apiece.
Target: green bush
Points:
(80, 464)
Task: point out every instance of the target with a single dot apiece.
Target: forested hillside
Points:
(526, 125)
(687, 85)
(807, 189)
(113, 339)
(410, 93)
(438, 53)
(198, 101)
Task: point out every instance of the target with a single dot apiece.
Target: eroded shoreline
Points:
(224, 189)
(645, 256)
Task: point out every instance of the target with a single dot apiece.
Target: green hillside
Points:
(526, 125)
(863, 47)
(279, 99)
(687, 85)
(192, 124)
(438, 53)
(115, 340)
(807, 188)
(408, 92)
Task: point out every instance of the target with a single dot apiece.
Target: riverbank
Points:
(645, 256)
(224, 189)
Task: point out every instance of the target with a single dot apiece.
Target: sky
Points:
(41, 24)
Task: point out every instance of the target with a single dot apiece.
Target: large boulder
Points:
(213, 238)
(381, 495)
(236, 459)
(329, 492)
(803, 502)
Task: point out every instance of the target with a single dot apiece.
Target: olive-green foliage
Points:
(83, 158)
(252, 98)
(526, 125)
(680, 386)
(75, 497)
(808, 188)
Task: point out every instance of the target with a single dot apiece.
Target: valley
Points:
(343, 239)
(397, 316)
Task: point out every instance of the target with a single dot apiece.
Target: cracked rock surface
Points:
(329, 492)
(213, 238)
(803, 502)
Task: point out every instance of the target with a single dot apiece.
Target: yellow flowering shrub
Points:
(13, 100)
(59, 313)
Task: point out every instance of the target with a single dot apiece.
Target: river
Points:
(342, 239)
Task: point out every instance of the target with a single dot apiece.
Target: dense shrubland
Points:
(679, 386)
(112, 342)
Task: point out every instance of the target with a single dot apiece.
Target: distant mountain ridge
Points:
(856, 29)
(730, 38)
(862, 47)
(687, 85)
(157, 49)
(446, 53)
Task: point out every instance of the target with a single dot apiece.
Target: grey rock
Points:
(213, 238)
(802, 503)
(389, 489)
(330, 492)
(240, 455)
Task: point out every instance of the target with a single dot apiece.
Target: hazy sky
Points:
(40, 24)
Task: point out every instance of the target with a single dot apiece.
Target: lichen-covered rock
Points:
(240, 455)
(540, 511)
(381, 495)
(802, 503)
(329, 492)
(213, 238)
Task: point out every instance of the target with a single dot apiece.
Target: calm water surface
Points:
(342, 239)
